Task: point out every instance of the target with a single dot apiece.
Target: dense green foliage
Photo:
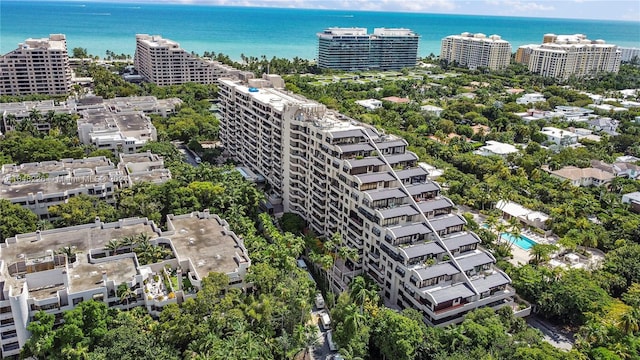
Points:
(15, 220)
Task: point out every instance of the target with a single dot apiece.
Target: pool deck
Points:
(521, 256)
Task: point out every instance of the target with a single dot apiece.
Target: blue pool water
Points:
(522, 242)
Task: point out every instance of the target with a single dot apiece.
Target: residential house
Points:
(530, 99)
(496, 148)
(560, 137)
(633, 199)
(526, 216)
(370, 104)
(582, 177)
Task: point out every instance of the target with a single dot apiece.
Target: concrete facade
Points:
(476, 50)
(37, 275)
(164, 62)
(37, 66)
(562, 56)
(347, 177)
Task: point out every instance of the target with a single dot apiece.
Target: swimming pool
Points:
(523, 242)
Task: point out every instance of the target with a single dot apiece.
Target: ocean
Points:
(265, 31)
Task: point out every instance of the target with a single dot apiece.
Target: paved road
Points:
(321, 350)
(558, 338)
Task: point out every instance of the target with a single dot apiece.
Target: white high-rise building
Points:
(476, 50)
(562, 56)
(353, 49)
(164, 62)
(627, 54)
(37, 66)
(346, 177)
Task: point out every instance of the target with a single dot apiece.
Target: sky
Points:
(572, 9)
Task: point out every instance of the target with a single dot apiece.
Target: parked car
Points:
(332, 345)
(325, 320)
(319, 301)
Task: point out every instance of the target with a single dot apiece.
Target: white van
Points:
(325, 320)
(332, 345)
(319, 302)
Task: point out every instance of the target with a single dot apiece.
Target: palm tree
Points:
(491, 222)
(630, 321)
(112, 246)
(354, 320)
(69, 251)
(348, 353)
(306, 336)
(126, 293)
(79, 351)
(541, 252)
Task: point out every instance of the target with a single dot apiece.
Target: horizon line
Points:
(254, 6)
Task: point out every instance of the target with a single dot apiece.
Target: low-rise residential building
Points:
(126, 131)
(582, 177)
(621, 169)
(526, 216)
(39, 185)
(396, 100)
(633, 199)
(143, 167)
(531, 98)
(16, 112)
(627, 159)
(370, 104)
(604, 124)
(55, 270)
(608, 108)
(496, 148)
(13, 113)
(560, 137)
(432, 109)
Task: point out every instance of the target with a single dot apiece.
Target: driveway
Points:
(558, 338)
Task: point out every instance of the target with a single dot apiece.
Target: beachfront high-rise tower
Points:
(37, 66)
(163, 62)
(476, 50)
(562, 56)
(352, 49)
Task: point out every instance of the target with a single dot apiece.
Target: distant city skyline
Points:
(627, 10)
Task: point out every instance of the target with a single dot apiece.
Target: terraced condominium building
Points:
(37, 66)
(476, 50)
(562, 56)
(55, 270)
(164, 62)
(346, 177)
(352, 49)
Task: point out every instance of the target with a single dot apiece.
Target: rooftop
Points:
(52, 177)
(574, 173)
(204, 240)
(82, 238)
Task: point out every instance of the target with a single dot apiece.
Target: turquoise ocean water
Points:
(264, 31)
